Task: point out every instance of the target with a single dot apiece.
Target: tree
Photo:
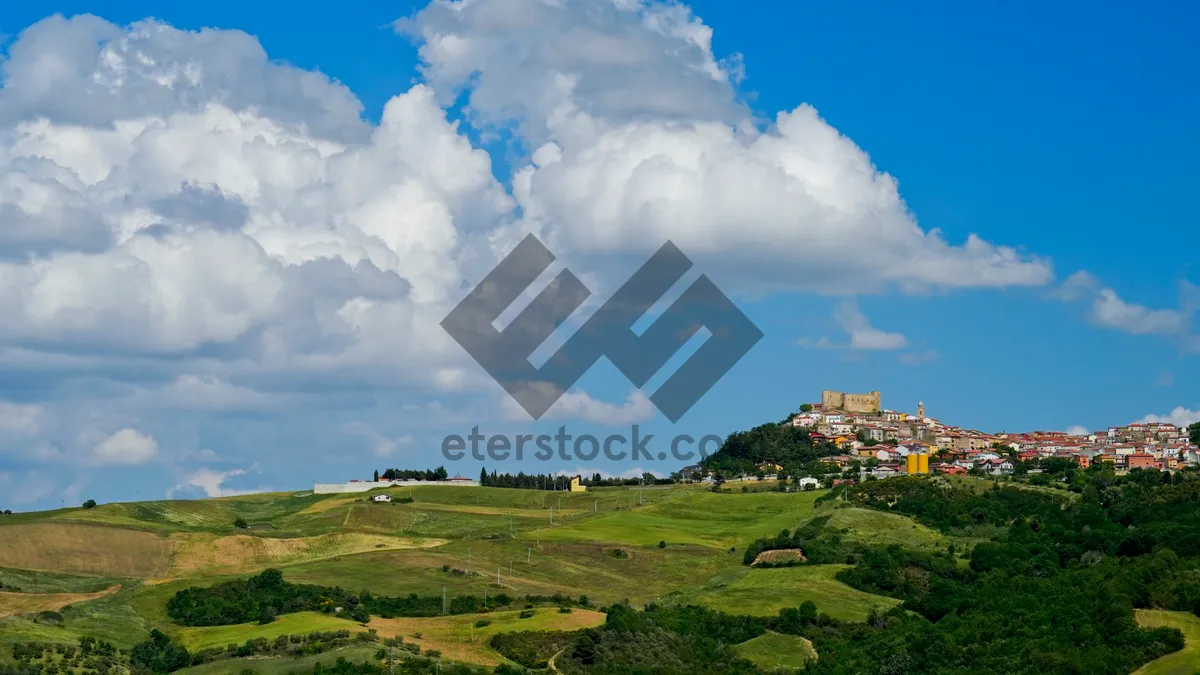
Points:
(483, 477)
(376, 475)
(159, 654)
(240, 523)
(805, 407)
(360, 614)
(89, 504)
(1194, 433)
(585, 649)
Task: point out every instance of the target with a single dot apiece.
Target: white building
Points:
(808, 483)
(382, 498)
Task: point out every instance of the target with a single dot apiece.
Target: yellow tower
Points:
(912, 464)
(923, 462)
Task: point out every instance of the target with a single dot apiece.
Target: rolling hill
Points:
(109, 571)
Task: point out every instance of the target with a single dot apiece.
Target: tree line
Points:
(266, 595)
(534, 481)
(413, 474)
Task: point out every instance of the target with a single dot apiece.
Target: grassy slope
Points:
(877, 528)
(459, 639)
(74, 548)
(484, 529)
(12, 604)
(50, 582)
(763, 592)
(110, 618)
(1183, 662)
(289, 624)
(456, 637)
(694, 517)
(772, 650)
(281, 666)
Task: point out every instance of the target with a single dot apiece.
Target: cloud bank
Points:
(196, 235)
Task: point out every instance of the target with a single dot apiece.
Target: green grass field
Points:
(1183, 662)
(50, 582)
(763, 592)
(111, 618)
(772, 651)
(699, 518)
(603, 543)
(458, 639)
(877, 528)
(300, 623)
(283, 666)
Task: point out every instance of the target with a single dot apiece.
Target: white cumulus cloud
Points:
(1180, 417)
(864, 336)
(127, 447)
(641, 137)
(212, 483)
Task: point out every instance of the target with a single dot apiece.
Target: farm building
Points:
(382, 498)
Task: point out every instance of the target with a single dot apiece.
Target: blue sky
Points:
(1064, 135)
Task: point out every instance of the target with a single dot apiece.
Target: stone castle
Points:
(859, 403)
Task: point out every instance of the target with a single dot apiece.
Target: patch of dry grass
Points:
(12, 604)
(781, 555)
(457, 638)
(92, 550)
(195, 554)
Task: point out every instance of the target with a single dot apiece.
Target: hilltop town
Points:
(859, 424)
(881, 443)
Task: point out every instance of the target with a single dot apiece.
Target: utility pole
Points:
(468, 559)
(443, 599)
(551, 514)
(497, 577)
(528, 555)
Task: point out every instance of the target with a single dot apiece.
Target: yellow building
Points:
(576, 485)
